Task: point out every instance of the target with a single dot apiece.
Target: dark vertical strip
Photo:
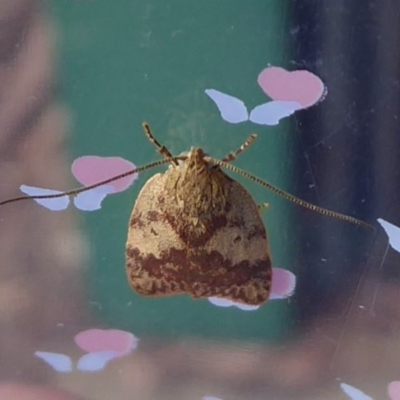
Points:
(348, 146)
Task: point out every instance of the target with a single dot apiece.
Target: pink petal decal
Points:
(221, 302)
(301, 86)
(92, 169)
(59, 362)
(272, 112)
(93, 362)
(91, 200)
(393, 390)
(57, 204)
(283, 284)
(106, 340)
(231, 108)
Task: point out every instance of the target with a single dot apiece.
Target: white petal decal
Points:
(354, 393)
(93, 362)
(393, 233)
(272, 112)
(59, 362)
(210, 398)
(57, 204)
(232, 109)
(245, 307)
(220, 302)
(217, 301)
(91, 199)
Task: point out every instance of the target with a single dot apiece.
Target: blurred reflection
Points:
(28, 392)
(41, 279)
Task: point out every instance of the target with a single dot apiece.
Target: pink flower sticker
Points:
(300, 86)
(88, 170)
(393, 390)
(106, 340)
(102, 346)
(92, 169)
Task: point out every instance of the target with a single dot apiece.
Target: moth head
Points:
(193, 158)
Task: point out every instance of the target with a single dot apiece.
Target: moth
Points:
(195, 230)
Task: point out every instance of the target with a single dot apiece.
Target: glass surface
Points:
(78, 78)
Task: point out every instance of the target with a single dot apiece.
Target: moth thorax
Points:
(200, 191)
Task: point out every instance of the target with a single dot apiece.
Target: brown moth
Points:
(195, 230)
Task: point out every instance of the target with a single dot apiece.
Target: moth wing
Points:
(150, 237)
(238, 253)
(231, 260)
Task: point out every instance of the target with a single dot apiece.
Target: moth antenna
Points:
(293, 199)
(160, 148)
(95, 185)
(233, 154)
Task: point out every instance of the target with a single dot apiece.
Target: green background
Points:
(124, 62)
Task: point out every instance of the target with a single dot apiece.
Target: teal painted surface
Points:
(124, 62)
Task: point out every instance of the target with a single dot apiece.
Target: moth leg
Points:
(263, 206)
(161, 149)
(233, 154)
